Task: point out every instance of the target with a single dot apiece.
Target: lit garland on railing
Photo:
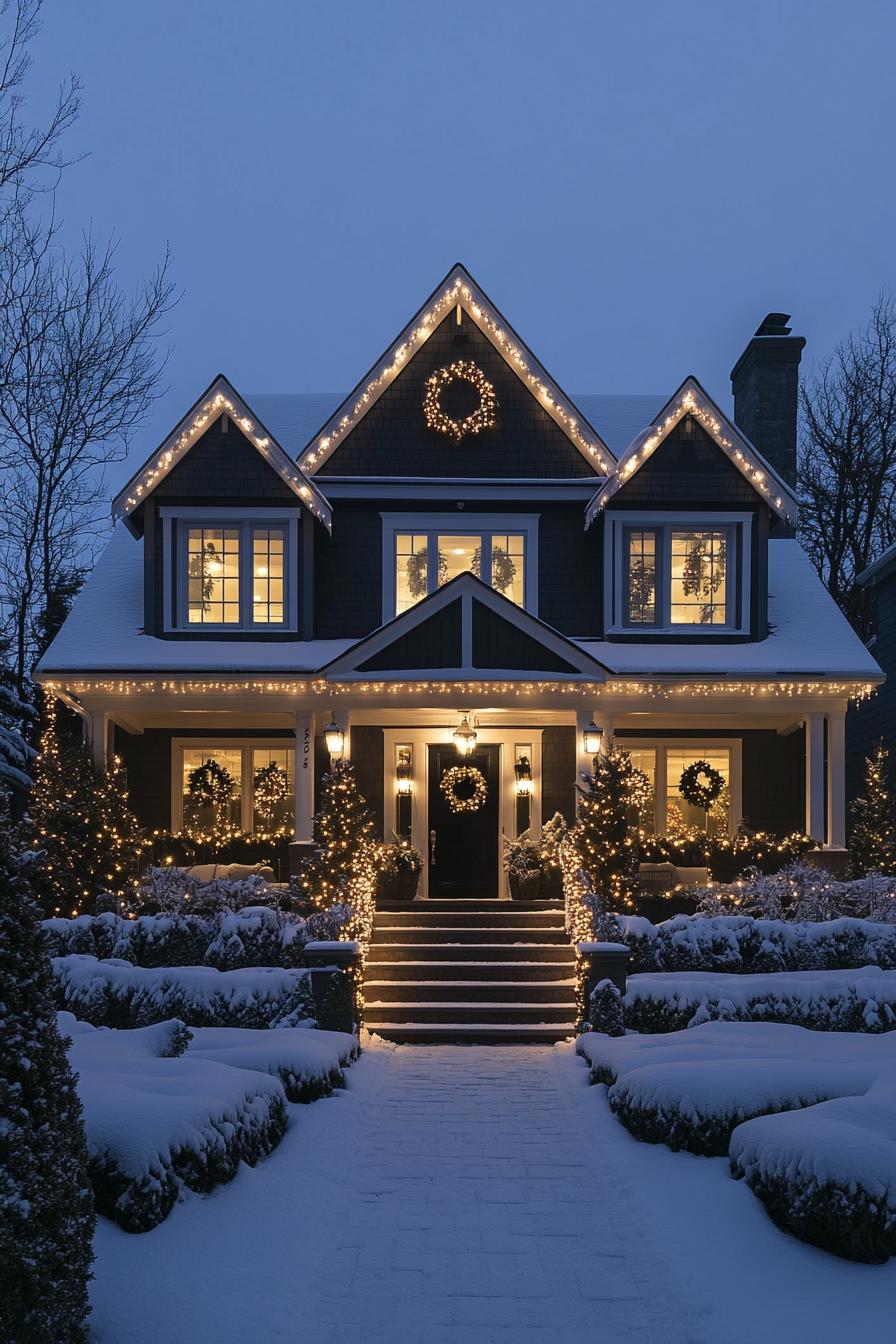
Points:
(218, 404)
(457, 291)
(691, 403)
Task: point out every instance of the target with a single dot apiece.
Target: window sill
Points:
(676, 631)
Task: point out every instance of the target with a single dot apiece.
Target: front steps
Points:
(470, 972)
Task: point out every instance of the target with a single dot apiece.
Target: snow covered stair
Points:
(474, 972)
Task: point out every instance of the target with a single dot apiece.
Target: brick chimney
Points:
(764, 382)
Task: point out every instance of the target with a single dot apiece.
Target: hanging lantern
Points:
(591, 738)
(334, 738)
(464, 738)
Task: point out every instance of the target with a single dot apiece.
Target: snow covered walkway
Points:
(472, 1195)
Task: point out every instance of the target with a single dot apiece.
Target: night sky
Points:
(634, 184)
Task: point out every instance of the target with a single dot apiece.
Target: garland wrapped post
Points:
(464, 788)
(484, 417)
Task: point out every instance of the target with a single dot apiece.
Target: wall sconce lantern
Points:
(523, 773)
(404, 789)
(464, 738)
(591, 738)
(334, 738)
(404, 774)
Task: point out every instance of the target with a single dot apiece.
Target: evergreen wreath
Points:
(503, 568)
(417, 570)
(271, 785)
(484, 415)
(701, 794)
(464, 788)
(211, 785)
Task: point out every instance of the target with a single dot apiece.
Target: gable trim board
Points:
(458, 289)
(691, 399)
(562, 658)
(219, 399)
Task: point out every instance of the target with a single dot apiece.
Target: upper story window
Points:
(231, 571)
(676, 575)
(420, 554)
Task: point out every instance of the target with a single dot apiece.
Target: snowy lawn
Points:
(851, 1000)
(159, 1119)
(826, 1170)
(477, 1195)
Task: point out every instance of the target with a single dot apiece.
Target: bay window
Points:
(257, 793)
(420, 556)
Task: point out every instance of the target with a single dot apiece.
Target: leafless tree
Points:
(27, 149)
(847, 472)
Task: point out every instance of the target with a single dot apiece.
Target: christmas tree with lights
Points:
(606, 841)
(344, 840)
(873, 838)
(83, 824)
(47, 1224)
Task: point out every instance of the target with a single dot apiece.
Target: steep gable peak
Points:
(691, 399)
(458, 290)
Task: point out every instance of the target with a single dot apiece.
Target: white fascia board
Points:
(221, 397)
(458, 288)
(691, 399)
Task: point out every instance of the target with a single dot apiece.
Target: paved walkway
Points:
(452, 1195)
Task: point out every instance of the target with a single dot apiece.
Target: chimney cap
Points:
(774, 324)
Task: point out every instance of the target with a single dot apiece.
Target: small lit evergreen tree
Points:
(873, 838)
(604, 835)
(83, 824)
(46, 1207)
(344, 839)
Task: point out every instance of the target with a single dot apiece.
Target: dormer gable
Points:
(219, 405)
(458, 393)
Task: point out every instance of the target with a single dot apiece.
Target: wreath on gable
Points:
(211, 785)
(271, 785)
(701, 784)
(483, 417)
(464, 788)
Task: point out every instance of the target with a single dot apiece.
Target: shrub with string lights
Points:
(83, 823)
(605, 839)
(345, 863)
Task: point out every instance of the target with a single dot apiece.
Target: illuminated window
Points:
(673, 576)
(698, 577)
(213, 565)
(263, 787)
(267, 575)
(233, 573)
(425, 561)
(411, 569)
(681, 814)
(658, 806)
(198, 814)
(642, 577)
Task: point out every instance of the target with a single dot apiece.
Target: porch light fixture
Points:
(464, 738)
(523, 772)
(334, 738)
(591, 738)
(404, 773)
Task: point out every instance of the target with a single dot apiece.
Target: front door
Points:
(463, 823)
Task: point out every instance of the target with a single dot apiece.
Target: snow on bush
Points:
(308, 1063)
(114, 993)
(800, 892)
(605, 1009)
(828, 1174)
(741, 944)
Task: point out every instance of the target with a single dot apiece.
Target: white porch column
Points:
(304, 800)
(836, 781)
(815, 777)
(99, 738)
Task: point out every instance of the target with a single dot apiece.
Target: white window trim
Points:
(461, 524)
(698, 746)
(173, 525)
(618, 523)
(212, 744)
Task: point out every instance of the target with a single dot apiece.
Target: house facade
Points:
(458, 568)
(874, 720)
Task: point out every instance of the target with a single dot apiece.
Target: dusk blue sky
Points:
(634, 184)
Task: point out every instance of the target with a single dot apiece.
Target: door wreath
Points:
(464, 788)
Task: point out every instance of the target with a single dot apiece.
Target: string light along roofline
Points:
(691, 399)
(458, 288)
(221, 397)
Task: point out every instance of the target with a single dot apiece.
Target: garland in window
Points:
(464, 788)
(701, 784)
(484, 417)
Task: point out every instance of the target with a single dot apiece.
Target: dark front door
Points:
(463, 845)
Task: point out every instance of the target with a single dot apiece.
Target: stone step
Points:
(501, 919)
(522, 972)
(522, 1014)
(422, 992)
(485, 951)
(461, 906)
(466, 1033)
(454, 935)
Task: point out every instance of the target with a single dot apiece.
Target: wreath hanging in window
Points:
(417, 569)
(484, 417)
(503, 568)
(701, 784)
(464, 788)
(210, 785)
(271, 784)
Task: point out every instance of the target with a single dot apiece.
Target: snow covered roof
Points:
(810, 637)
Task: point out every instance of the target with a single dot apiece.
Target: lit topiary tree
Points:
(343, 837)
(605, 838)
(46, 1207)
(873, 838)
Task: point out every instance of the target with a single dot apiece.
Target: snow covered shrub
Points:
(801, 893)
(249, 937)
(605, 1011)
(308, 1063)
(163, 890)
(46, 1212)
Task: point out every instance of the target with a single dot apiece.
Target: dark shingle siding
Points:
(686, 472)
(434, 643)
(497, 643)
(558, 770)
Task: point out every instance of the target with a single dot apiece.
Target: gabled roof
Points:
(458, 287)
(218, 398)
(691, 399)
(473, 600)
